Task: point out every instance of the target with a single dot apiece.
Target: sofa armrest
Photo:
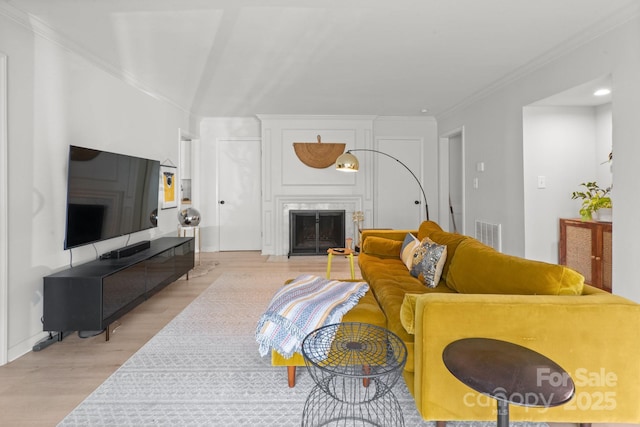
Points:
(595, 338)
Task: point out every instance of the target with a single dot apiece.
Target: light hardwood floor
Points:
(41, 388)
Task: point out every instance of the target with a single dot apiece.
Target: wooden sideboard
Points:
(586, 247)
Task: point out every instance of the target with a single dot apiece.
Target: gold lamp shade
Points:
(347, 162)
(318, 155)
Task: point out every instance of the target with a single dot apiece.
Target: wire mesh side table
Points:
(354, 367)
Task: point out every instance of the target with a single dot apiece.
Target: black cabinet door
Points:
(160, 270)
(185, 255)
(121, 289)
(72, 303)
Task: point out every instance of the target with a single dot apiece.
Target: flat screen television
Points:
(109, 195)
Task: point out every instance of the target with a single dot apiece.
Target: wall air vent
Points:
(489, 234)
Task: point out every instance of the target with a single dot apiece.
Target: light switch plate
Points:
(542, 181)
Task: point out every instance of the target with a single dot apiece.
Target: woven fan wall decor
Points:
(319, 154)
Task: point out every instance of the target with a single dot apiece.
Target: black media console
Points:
(91, 296)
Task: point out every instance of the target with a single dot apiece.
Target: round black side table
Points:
(354, 366)
(509, 373)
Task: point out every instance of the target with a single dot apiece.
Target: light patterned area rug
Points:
(200, 269)
(203, 369)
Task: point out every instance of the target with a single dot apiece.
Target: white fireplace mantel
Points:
(284, 204)
(288, 184)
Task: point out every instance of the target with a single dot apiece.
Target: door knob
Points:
(222, 202)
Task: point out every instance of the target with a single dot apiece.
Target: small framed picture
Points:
(168, 192)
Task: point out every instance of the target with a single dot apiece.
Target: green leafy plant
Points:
(593, 198)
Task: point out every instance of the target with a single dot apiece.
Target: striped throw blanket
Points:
(307, 303)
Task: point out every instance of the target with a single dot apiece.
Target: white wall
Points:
(57, 98)
(562, 145)
(288, 184)
(4, 202)
(494, 134)
(604, 145)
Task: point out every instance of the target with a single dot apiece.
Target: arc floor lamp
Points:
(347, 162)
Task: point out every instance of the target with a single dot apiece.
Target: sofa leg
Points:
(291, 376)
(441, 424)
(584, 425)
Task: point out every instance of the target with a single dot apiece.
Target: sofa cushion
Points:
(479, 269)
(381, 247)
(374, 268)
(389, 293)
(426, 228)
(428, 261)
(433, 231)
(390, 280)
(408, 249)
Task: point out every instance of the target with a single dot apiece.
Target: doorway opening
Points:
(452, 188)
(567, 139)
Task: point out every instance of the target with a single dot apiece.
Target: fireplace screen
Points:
(312, 232)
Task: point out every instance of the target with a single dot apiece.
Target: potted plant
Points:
(593, 198)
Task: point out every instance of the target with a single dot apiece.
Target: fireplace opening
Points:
(312, 232)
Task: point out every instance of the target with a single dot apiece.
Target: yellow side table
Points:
(340, 251)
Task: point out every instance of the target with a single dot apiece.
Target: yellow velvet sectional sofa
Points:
(593, 335)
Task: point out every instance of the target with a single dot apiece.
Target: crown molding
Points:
(39, 28)
(226, 119)
(314, 117)
(606, 25)
(421, 119)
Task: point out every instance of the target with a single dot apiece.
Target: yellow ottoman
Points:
(366, 311)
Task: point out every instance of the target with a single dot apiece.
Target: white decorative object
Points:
(357, 217)
(604, 214)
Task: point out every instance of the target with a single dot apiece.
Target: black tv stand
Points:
(91, 296)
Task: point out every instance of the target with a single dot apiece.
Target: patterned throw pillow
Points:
(408, 248)
(428, 261)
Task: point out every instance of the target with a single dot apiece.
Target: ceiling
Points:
(582, 95)
(372, 57)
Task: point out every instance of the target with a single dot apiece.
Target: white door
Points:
(399, 202)
(239, 194)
